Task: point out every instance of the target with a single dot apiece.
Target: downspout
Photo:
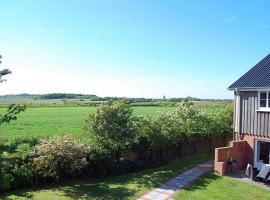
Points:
(237, 116)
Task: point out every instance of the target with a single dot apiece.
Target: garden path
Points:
(167, 190)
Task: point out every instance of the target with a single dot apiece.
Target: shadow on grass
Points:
(202, 182)
(100, 191)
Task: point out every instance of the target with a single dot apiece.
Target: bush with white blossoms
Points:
(59, 156)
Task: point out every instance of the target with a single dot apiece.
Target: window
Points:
(264, 100)
(263, 152)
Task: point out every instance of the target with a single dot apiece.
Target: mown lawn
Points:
(212, 187)
(48, 121)
(128, 186)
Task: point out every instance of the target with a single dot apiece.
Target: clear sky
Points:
(134, 48)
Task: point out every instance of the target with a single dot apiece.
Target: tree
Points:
(13, 109)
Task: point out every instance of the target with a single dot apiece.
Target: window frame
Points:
(267, 107)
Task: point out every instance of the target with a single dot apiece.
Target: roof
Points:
(257, 77)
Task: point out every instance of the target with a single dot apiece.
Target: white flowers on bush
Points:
(60, 156)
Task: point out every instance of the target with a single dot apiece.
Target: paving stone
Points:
(186, 176)
(151, 195)
(169, 187)
(161, 196)
(188, 172)
(189, 178)
(167, 191)
(175, 182)
(180, 186)
(178, 180)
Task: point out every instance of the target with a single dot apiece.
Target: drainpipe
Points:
(237, 115)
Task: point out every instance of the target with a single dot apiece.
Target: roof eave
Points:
(248, 88)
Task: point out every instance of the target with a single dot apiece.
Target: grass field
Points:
(212, 186)
(52, 117)
(129, 186)
(47, 121)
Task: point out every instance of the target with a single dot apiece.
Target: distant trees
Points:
(13, 109)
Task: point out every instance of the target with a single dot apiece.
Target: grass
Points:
(48, 121)
(212, 186)
(129, 186)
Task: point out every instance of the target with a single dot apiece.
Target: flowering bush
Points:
(59, 156)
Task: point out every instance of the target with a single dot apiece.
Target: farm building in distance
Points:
(251, 121)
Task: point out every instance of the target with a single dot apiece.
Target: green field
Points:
(47, 121)
(53, 117)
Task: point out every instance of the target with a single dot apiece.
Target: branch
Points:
(3, 73)
(11, 113)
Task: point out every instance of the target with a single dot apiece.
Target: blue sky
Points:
(134, 48)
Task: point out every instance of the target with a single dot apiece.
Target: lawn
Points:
(129, 186)
(212, 186)
(47, 121)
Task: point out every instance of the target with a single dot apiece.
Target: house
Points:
(251, 139)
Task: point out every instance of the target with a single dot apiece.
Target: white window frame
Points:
(267, 108)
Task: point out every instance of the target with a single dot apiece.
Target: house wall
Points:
(251, 122)
(250, 139)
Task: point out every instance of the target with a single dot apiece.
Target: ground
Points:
(212, 186)
(129, 186)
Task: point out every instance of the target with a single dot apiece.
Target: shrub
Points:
(12, 145)
(148, 131)
(110, 127)
(184, 122)
(6, 177)
(143, 128)
(221, 120)
(23, 174)
(15, 174)
(59, 156)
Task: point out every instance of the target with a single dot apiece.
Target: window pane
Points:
(263, 152)
(262, 103)
(263, 95)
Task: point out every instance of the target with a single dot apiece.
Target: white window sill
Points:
(263, 110)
